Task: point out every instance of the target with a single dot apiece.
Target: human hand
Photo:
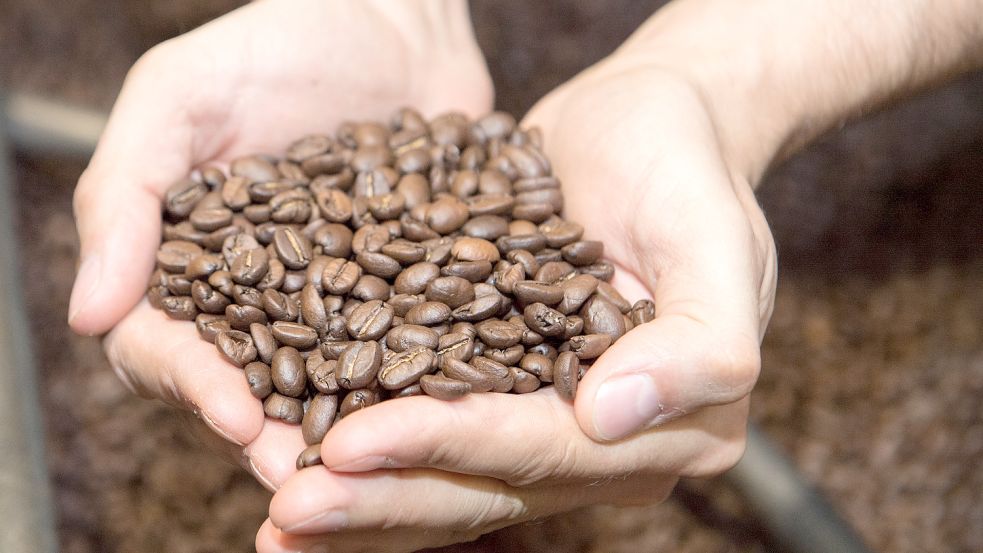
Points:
(637, 153)
(251, 81)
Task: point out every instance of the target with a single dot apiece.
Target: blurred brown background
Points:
(873, 365)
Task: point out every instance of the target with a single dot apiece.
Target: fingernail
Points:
(365, 464)
(86, 284)
(623, 404)
(216, 429)
(257, 473)
(329, 521)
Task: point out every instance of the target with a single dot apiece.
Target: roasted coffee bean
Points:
(453, 291)
(520, 227)
(505, 356)
(387, 206)
(340, 276)
(474, 249)
(479, 309)
(487, 227)
(555, 272)
(498, 334)
(471, 271)
(250, 266)
(183, 231)
(378, 264)
(566, 372)
(574, 326)
(358, 399)
(259, 378)
(538, 365)
(602, 270)
(335, 240)
(446, 215)
(530, 291)
(332, 349)
(207, 299)
(312, 308)
(183, 196)
(181, 308)
(405, 368)
(546, 349)
(178, 285)
(222, 281)
(405, 252)
(502, 378)
(335, 205)
(370, 321)
(481, 380)
(602, 317)
(281, 407)
(358, 364)
(294, 334)
(323, 375)
(608, 292)
(530, 242)
(415, 278)
(455, 345)
(371, 287)
(524, 258)
(211, 218)
(402, 303)
(523, 382)
(254, 168)
(292, 248)
(408, 336)
(583, 252)
(257, 213)
(559, 232)
(428, 313)
(263, 341)
(441, 387)
(236, 346)
(291, 206)
(544, 320)
(275, 277)
(370, 238)
(309, 146)
(642, 312)
(576, 290)
(174, 255)
(209, 326)
(289, 372)
(241, 316)
(505, 280)
(589, 346)
(319, 417)
(202, 266)
(349, 306)
(245, 295)
(310, 457)
(278, 306)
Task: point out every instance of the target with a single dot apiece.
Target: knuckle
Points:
(720, 459)
(735, 367)
(500, 507)
(555, 457)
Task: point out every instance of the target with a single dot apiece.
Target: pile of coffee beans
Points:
(386, 261)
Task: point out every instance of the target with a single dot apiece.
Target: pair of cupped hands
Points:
(640, 161)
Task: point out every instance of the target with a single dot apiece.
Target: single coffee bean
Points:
(408, 336)
(505, 280)
(405, 252)
(538, 365)
(183, 196)
(211, 218)
(278, 306)
(178, 285)
(498, 334)
(441, 387)
(335, 240)
(487, 227)
(446, 215)
(530, 291)
(566, 372)
(250, 267)
(319, 417)
(574, 326)
(468, 248)
(530, 242)
(207, 299)
(481, 380)
(340, 276)
(378, 264)
(555, 272)
(294, 334)
(576, 290)
(370, 321)
(236, 346)
(589, 346)
(428, 313)
(181, 308)
(174, 255)
(323, 376)
(222, 281)
(254, 168)
(259, 378)
(241, 316)
(524, 258)
(502, 381)
(358, 399)
(642, 312)
(583, 252)
(519, 227)
(415, 278)
(275, 277)
(371, 287)
(293, 249)
(483, 307)
(455, 345)
(245, 295)
(543, 320)
(289, 372)
(263, 341)
(608, 292)
(310, 457)
(406, 368)
(281, 407)
(505, 356)
(209, 326)
(471, 271)
(603, 270)
(358, 364)
(402, 303)
(202, 266)
(453, 291)
(524, 382)
(312, 308)
(309, 146)
(370, 238)
(602, 317)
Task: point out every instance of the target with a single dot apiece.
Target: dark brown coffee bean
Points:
(530, 242)
(502, 381)
(546, 349)
(222, 281)
(254, 168)
(453, 291)
(241, 316)
(207, 299)
(349, 306)
(642, 312)
(236, 346)
(294, 334)
(547, 255)
(178, 285)
(566, 372)
(441, 387)
(358, 399)
(505, 356)
(291, 206)
(319, 417)
(474, 249)
(446, 215)
(471, 271)
(310, 457)
(455, 345)
(480, 380)
(519, 227)
(602, 317)
(335, 240)
(439, 250)
(321, 164)
(538, 365)
(281, 407)
(402, 303)
(415, 278)
(371, 287)
(323, 376)
(181, 308)
(259, 378)
(387, 206)
(574, 326)
(523, 382)
(212, 218)
(589, 346)
(332, 349)
(428, 313)
(275, 277)
(370, 238)
(183, 196)
(611, 294)
(334, 205)
(405, 368)
(543, 320)
(479, 309)
(490, 204)
(602, 270)
(370, 321)
(174, 255)
(583, 252)
(209, 326)
(555, 272)
(249, 267)
(560, 232)
(498, 334)
(528, 184)
(183, 231)
(358, 364)
(278, 306)
(487, 227)
(312, 308)
(378, 264)
(408, 336)
(576, 290)
(263, 341)
(505, 280)
(292, 248)
(257, 213)
(405, 252)
(245, 295)
(415, 189)
(309, 146)
(340, 276)
(289, 372)
(497, 124)
(202, 266)
(530, 291)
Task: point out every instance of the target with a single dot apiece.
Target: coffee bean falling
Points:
(387, 261)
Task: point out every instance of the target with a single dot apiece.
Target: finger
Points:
(162, 358)
(522, 440)
(270, 539)
(272, 456)
(319, 501)
(145, 147)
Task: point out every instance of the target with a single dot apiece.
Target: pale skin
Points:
(671, 133)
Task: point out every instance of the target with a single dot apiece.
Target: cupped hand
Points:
(251, 81)
(638, 154)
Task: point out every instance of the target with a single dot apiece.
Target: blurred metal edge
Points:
(796, 516)
(25, 492)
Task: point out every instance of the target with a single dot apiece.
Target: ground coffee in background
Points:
(389, 260)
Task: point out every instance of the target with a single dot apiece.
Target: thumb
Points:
(701, 349)
(145, 147)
